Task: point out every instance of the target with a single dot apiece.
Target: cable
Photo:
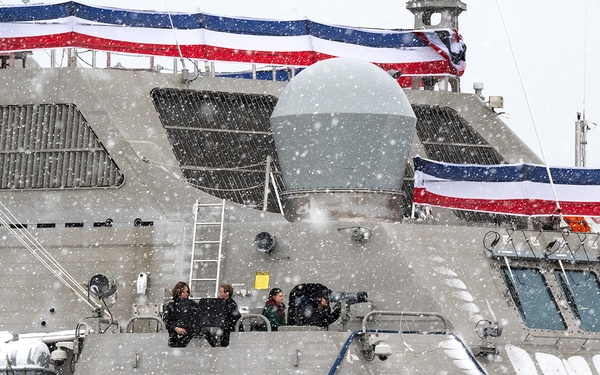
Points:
(342, 352)
(246, 188)
(494, 241)
(111, 320)
(11, 223)
(174, 34)
(182, 59)
(410, 348)
(145, 159)
(558, 209)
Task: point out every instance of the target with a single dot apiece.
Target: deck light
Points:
(103, 285)
(265, 242)
(486, 329)
(358, 234)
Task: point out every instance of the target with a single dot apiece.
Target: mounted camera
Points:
(373, 345)
(59, 355)
(350, 297)
(352, 304)
(383, 351)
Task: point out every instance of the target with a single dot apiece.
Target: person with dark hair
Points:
(231, 314)
(180, 316)
(319, 313)
(274, 309)
(228, 317)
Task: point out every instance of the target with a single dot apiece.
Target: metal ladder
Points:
(205, 264)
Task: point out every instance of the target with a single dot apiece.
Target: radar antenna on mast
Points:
(581, 125)
(581, 128)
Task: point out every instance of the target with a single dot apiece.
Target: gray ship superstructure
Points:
(116, 184)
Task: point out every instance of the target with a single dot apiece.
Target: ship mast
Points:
(581, 129)
(447, 11)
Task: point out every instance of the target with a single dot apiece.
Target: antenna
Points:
(581, 129)
(581, 125)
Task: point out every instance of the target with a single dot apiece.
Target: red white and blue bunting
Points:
(514, 189)
(216, 38)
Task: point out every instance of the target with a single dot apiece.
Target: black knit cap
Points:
(274, 292)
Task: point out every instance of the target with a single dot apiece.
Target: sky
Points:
(539, 56)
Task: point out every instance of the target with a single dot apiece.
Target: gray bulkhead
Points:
(438, 266)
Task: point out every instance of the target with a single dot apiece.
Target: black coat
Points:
(232, 314)
(182, 313)
(313, 316)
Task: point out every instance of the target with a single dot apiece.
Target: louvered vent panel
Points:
(51, 146)
(222, 141)
(449, 138)
(407, 190)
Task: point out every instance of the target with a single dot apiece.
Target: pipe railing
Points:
(411, 314)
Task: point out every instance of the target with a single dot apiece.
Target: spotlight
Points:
(103, 285)
(493, 330)
(360, 234)
(265, 242)
(486, 329)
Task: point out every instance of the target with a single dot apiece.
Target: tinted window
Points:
(533, 298)
(582, 291)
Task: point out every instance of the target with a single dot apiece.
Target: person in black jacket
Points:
(232, 313)
(319, 313)
(219, 336)
(180, 316)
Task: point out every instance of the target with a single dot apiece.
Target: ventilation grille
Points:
(449, 138)
(222, 141)
(408, 184)
(51, 146)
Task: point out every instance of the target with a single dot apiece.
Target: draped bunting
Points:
(515, 189)
(216, 38)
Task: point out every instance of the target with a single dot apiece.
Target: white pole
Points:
(267, 169)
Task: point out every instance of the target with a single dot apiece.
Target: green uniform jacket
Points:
(276, 319)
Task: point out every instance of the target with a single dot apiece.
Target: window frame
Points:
(508, 274)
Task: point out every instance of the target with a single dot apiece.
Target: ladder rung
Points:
(205, 230)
